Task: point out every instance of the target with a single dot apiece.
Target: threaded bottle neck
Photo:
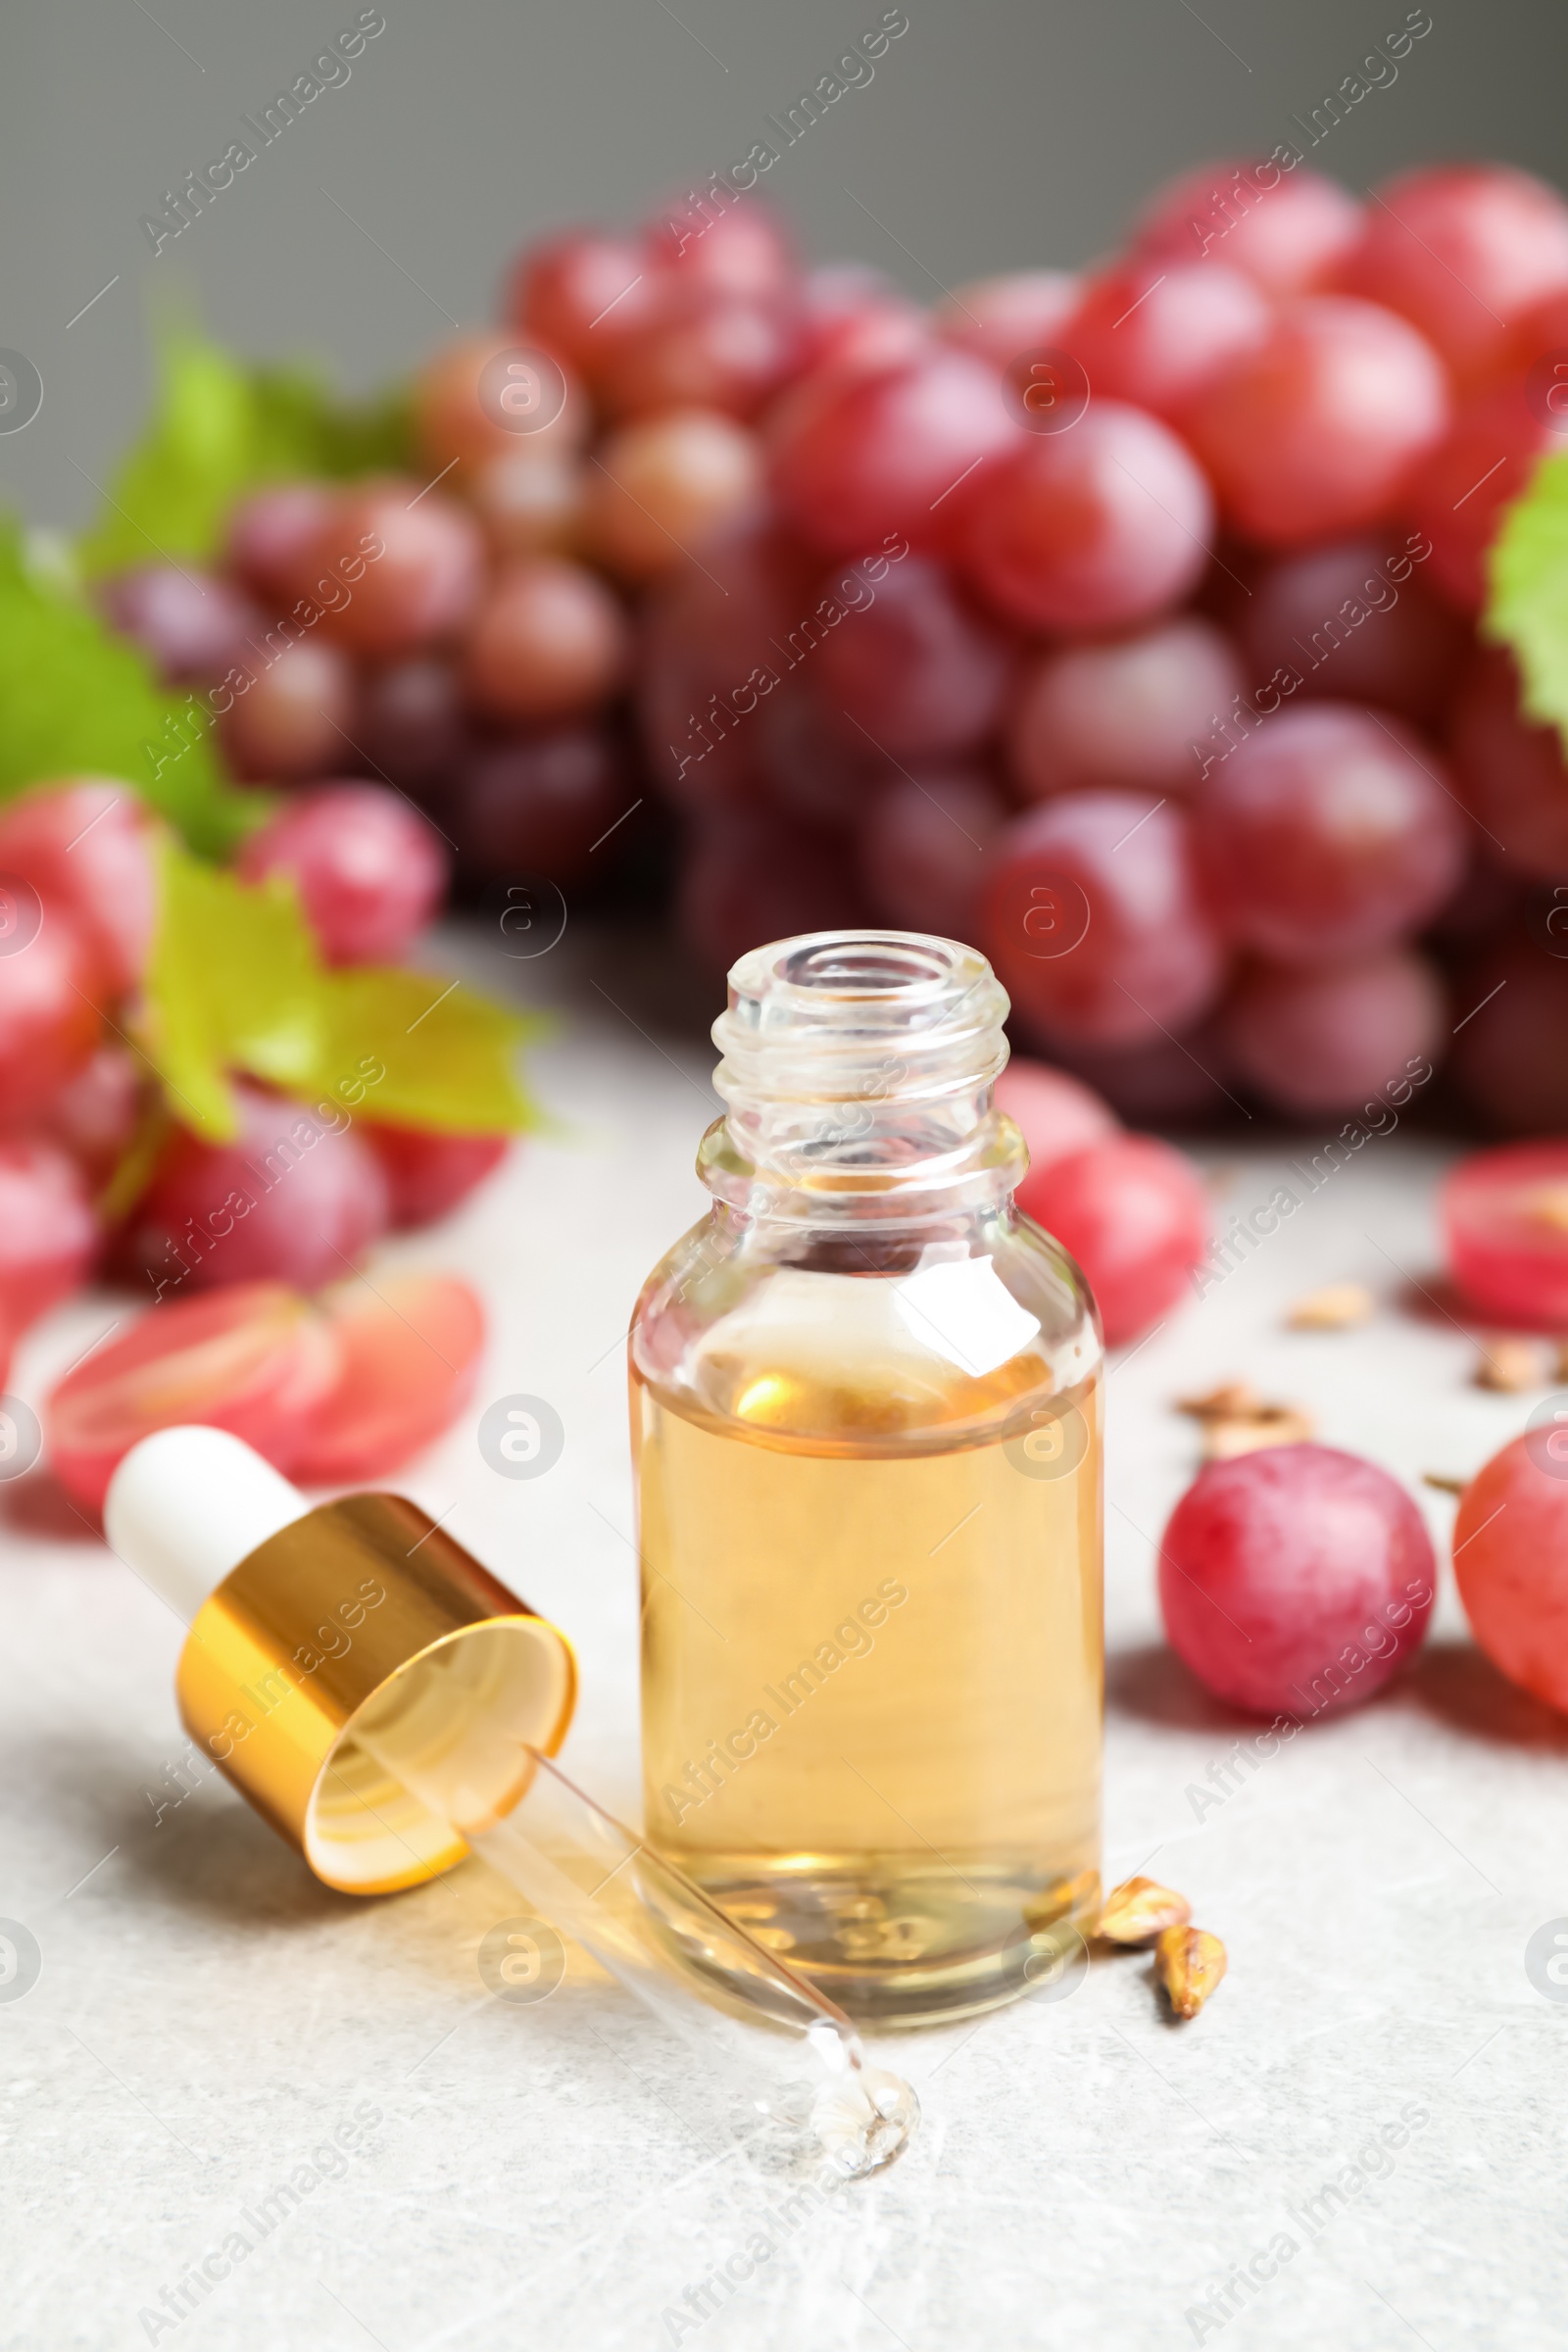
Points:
(858, 1067)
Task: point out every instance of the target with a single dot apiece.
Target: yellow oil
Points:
(872, 1658)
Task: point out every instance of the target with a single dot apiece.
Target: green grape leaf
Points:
(235, 983)
(1527, 604)
(78, 700)
(220, 429)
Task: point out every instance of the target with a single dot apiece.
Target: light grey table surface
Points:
(553, 2177)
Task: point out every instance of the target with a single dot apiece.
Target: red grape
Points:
(1160, 334)
(1505, 1221)
(87, 847)
(1461, 250)
(912, 670)
(743, 251)
(1135, 1215)
(1128, 711)
(255, 1359)
(295, 1198)
(859, 461)
(713, 641)
(1093, 918)
(1512, 773)
(292, 719)
(428, 1174)
(1510, 1055)
(1056, 1112)
(1510, 1555)
(539, 806)
(550, 641)
(1287, 230)
(368, 869)
(921, 845)
(814, 766)
(578, 292)
(1089, 529)
(1460, 491)
(422, 565)
(408, 1353)
(1295, 1580)
(458, 418)
(750, 875)
(662, 484)
(413, 727)
(854, 320)
(1002, 318)
(1326, 833)
(531, 502)
(1317, 431)
(700, 349)
(1325, 1042)
(273, 536)
(1354, 622)
(48, 1232)
(191, 625)
(50, 1014)
(94, 1116)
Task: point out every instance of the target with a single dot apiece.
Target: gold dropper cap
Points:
(362, 1607)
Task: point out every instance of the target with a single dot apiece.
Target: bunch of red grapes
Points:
(1123, 622)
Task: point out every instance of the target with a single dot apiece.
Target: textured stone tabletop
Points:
(1364, 2135)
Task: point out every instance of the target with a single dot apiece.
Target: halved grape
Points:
(1296, 1579)
(1505, 1221)
(255, 1359)
(408, 1353)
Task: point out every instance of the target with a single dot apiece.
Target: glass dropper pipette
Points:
(390, 1706)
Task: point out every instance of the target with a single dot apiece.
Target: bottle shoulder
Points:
(873, 1342)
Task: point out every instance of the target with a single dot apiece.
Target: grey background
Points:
(996, 133)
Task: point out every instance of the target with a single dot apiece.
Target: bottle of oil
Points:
(866, 1423)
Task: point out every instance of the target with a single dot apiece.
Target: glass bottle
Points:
(866, 1429)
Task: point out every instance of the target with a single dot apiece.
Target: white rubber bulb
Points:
(187, 1505)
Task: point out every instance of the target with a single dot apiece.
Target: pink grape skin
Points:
(1289, 236)
(1354, 622)
(578, 292)
(1126, 711)
(94, 1116)
(751, 875)
(1088, 530)
(538, 805)
(422, 561)
(913, 669)
(663, 485)
(1148, 963)
(550, 641)
(1329, 1040)
(49, 1235)
(1055, 1113)
(460, 428)
(1511, 772)
(1294, 1581)
(316, 1193)
(1134, 1213)
(292, 719)
(1510, 1550)
(192, 625)
(272, 538)
(86, 846)
(52, 1002)
(1505, 1234)
(860, 462)
(1326, 833)
(705, 639)
(1000, 319)
(413, 729)
(922, 844)
(1461, 250)
(428, 1174)
(369, 872)
(697, 349)
(746, 251)
(1158, 334)
(1318, 431)
(854, 320)
(1458, 494)
(1509, 1057)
